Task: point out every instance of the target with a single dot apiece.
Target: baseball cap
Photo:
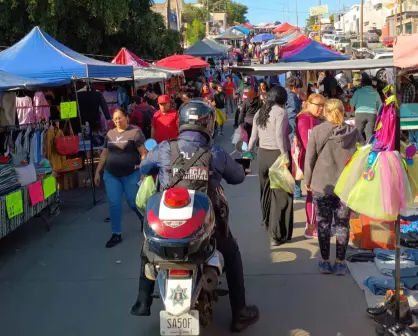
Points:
(163, 99)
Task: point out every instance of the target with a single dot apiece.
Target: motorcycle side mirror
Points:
(150, 144)
(241, 146)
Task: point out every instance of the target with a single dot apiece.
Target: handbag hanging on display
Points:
(67, 144)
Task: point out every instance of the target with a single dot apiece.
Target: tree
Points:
(91, 26)
(196, 31)
(331, 18)
(235, 11)
(310, 21)
(191, 13)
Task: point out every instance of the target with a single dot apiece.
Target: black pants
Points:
(276, 205)
(365, 124)
(248, 128)
(237, 112)
(228, 246)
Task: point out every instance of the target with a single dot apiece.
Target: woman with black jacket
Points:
(249, 108)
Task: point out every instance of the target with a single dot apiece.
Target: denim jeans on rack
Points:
(115, 188)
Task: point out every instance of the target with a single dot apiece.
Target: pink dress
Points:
(41, 107)
(24, 109)
(304, 124)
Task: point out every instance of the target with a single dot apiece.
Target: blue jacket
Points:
(223, 166)
(293, 107)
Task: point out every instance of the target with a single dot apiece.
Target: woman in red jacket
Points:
(306, 120)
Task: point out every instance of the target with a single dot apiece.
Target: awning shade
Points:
(228, 35)
(9, 81)
(182, 62)
(39, 56)
(277, 68)
(405, 51)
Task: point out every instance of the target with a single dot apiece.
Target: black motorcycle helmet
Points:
(197, 115)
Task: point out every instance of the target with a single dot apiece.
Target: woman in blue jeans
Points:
(122, 153)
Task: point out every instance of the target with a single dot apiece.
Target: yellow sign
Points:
(317, 38)
(49, 186)
(315, 28)
(14, 204)
(68, 110)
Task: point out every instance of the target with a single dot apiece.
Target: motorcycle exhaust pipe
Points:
(210, 279)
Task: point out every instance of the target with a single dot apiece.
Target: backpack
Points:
(190, 173)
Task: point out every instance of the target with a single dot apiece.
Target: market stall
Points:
(312, 52)
(39, 56)
(204, 49)
(284, 27)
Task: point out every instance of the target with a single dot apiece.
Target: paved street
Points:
(65, 282)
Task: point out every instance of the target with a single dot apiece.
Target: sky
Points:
(265, 11)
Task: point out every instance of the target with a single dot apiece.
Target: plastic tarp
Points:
(283, 28)
(242, 30)
(9, 81)
(313, 52)
(405, 51)
(127, 57)
(41, 57)
(228, 35)
(203, 49)
(182, 62)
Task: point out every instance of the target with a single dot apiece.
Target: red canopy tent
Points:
(182, 62)
(299, 41)
(283, 28)
(127, 57)
(247, 25)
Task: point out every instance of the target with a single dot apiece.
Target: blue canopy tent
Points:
(262, 37)
(41, 57)
(10, 82)
(315, 52)
(242, 30)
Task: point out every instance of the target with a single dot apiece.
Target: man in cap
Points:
(407, 90)
(165, 121)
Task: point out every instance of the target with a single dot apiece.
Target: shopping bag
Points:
(297, 173)
(145, 191)
(236, 136)
(67, 144)
(244, 134)
(220, 117)
(280, 177)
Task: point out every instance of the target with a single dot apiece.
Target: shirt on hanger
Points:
(24, 109)
(41, 107)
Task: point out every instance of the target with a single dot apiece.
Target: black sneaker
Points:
(248, 316)
(141, 309)
(114, 240)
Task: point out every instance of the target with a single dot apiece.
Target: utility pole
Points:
(319, 21)
(400, 18)
(207, 22)
(168, 14)
(361, 24)
(297, 14)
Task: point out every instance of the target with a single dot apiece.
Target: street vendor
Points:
(165, 121)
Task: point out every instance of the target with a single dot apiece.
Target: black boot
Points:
(246, 317)
(141, 308)
(388, 303)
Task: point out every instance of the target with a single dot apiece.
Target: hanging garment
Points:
(8, 103)
(122, 97)
(58, 162)
(24, 110)
(41, 107)
(111, 98)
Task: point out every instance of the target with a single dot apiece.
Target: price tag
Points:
(14, 204)
(49, 186)
(68, 110)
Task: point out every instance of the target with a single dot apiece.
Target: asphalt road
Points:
(67, 283)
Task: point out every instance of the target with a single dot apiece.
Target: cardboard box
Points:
(72, 165)
(67, 181)
(83, 179)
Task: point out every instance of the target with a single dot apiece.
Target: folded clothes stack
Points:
(8, 179)
(43, 168)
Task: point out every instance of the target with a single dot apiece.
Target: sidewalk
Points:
(65, 282)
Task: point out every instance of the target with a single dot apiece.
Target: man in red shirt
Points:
(229, 89)
(165, 121)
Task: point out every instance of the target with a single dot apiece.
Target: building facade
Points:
(176, 8)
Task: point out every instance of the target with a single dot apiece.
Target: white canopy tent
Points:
(154, 74)
(278, 68)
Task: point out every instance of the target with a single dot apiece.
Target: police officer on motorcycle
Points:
(196, 128)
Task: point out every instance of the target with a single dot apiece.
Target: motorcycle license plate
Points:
(186, 324)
